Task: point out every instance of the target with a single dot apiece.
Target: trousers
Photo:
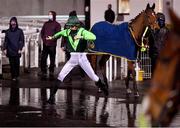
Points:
(80, 59)
(51, 51)
(14, 66)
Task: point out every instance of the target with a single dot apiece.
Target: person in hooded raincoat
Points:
(49, 46)
(13, 47)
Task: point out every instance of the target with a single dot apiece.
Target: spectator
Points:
(49, 46)
(109, 14)
(76, 36)
(157, 40)
(13, 45)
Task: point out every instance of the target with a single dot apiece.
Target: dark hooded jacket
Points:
(159, 36)
(14, 39)
(49, 29)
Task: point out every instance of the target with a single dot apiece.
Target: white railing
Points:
(145, 65)
(32, 50)
(112, 67)
(37, 20)
(3, 59)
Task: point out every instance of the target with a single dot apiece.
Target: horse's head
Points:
(150, 17)
(162, 100)
(138, 26)
(150, 21)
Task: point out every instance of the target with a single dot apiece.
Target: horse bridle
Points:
(132, 32)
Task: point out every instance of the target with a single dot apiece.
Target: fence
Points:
(112, 67)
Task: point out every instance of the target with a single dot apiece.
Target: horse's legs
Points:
(136, 93)
(128, 90)
(102, 65)
(93, 60)
(130, 68)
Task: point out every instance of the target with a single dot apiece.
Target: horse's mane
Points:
(134, 19)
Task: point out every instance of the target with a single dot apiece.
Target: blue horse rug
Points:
(114, 39)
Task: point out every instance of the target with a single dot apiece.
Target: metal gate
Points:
(113, 67)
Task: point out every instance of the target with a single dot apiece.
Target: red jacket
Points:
(49, 29)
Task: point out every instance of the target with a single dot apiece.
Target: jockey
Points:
(75, 44)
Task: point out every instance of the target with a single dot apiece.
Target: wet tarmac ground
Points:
(78, 103)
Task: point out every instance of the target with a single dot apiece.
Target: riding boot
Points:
(53, 91)
(102, 86)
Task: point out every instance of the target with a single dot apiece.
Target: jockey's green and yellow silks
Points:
(76, 44)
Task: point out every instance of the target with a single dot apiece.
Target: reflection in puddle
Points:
(74, 105)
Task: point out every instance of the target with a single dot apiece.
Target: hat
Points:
(73, 13)
(73, 20)
(160, 16)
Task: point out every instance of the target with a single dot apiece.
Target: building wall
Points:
(136, 6)
(63, 7)
(39, 7)
(176, 6)
(99, 6)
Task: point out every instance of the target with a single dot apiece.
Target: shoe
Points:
(136, 94)
(128, 91)
(99, 90)
(102, 86)
(15, 79)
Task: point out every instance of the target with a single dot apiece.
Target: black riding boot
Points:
(102, 86)
(53, 91)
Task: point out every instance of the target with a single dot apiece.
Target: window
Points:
(123, 7)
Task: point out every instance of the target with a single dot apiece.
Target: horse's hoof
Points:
(136, 94)
(128, 91)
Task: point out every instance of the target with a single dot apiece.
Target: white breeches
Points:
(80, 59)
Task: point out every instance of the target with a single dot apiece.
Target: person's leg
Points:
(53, 91)
(64, 72)
(17, 66)
(52, 52)
(12, 66)
(86, 66)
(44, 59)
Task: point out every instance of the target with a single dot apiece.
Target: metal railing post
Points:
(0, 57)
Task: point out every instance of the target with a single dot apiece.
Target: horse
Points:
(162, 100)
(130, 39)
